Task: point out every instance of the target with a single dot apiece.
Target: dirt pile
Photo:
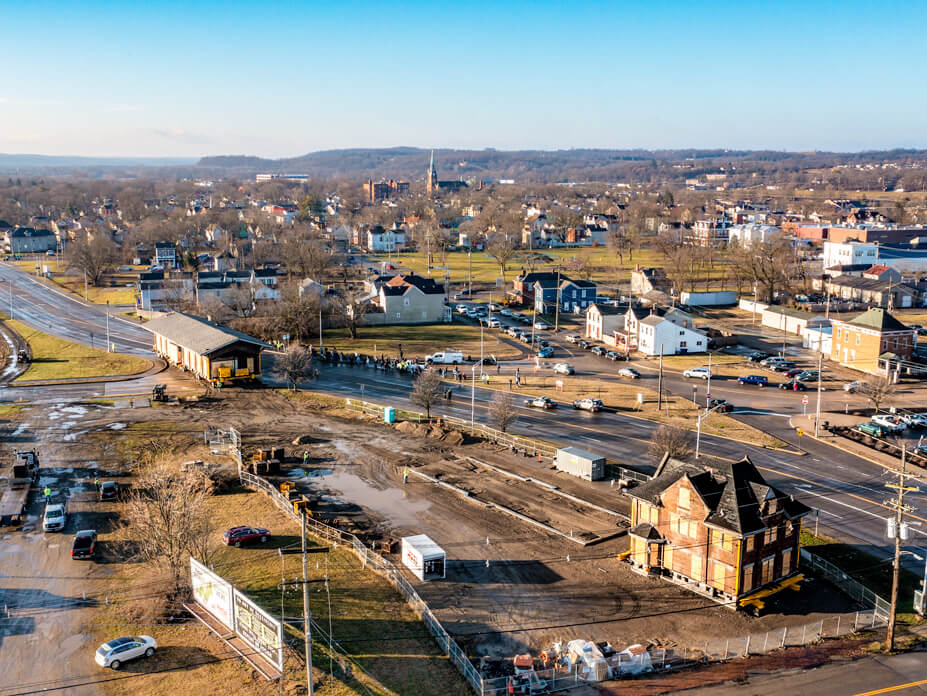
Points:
(433, 430)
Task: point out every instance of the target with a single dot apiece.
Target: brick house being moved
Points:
(715, 526)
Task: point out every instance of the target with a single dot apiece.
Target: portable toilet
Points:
(389, 414)
(423, 557)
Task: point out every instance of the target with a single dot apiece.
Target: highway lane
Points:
(848, 491)
(59, 313)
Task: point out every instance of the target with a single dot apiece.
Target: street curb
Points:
(838, 445)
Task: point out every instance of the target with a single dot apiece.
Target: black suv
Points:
(85, 543)
(109, 490)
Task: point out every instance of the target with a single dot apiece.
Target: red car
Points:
(236, 536)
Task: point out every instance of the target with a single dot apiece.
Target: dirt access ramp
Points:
(534, 502)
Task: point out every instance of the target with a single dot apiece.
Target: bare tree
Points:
(427, 390)
(678, 442)
(295, 314)
(92, 257)
(878, 390)
(351, 304)
(502, 411)
(502, 246)
(169, 517)
(295, 366)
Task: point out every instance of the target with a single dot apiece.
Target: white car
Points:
(461, 309)
(697, 373)
(915, 420)
(540, 325)
(851, 387)
(55, 517)
(506, 312)
(572, 338)
(886, 420)
(563, 369)
(493, 324)
(493, 307)
(117, 652)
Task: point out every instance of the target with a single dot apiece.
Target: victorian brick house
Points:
(716, 526)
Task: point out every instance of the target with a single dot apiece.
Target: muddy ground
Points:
(510, 585)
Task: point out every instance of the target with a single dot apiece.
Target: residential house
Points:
(381, 241)
(710, 232)
(865, 341)
(651, 284)
(406, 299)
(869, 291)
(627, 338)
(603, 320)
(715, 526)
(29, 240)
(546, 292)
(751, 233)
(788, 320)
(158, 291)
(660, 336)
(883, 273)
(310, 288)
(523, 285)
(166, 254)
(575, 295)
(215, 234)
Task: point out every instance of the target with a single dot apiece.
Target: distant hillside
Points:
(26, 162)
(544, 165)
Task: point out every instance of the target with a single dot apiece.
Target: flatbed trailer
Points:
(19, 477)
(13, 506)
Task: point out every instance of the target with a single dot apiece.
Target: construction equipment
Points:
(22, 356)
(302, 505)
(21, 476)
(159, 392)
(756, 601)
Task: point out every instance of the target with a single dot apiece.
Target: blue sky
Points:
(281, 79)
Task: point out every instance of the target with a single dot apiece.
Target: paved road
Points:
(61, 314)
(897, 674)
(847, 490)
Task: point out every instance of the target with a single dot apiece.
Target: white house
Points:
(602, 321)
(850, 254)
(215, 234)
(658, 335)
(166, 254)
(381, 240)
(752, 233)
(788, 320)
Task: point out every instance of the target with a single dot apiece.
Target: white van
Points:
(446, 357)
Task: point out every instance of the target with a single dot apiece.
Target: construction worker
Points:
(305, 457)
(47, 493)
(405, 475)
(96, 481)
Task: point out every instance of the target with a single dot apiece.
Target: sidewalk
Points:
(806, 424)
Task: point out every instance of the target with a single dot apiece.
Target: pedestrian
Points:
(510, 384)
(498, 368)
(96, 481)
(405, 475)
(305, 457)
(400, 351)
(219, 387)
(47, 493)
(517, 380)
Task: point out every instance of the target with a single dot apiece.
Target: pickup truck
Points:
(889, 422)
(758, 380)
(588, 405)
(447, 357)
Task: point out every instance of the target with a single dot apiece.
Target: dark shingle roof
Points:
(733, 492)
(879, 320)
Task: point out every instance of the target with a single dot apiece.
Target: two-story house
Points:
(166, 255)
(603, 320)
(716, 526)
(407, 299)
(29, 240)
(577, 295)
(523, 285)
(660, 336)
(628, 337)
(870, 341)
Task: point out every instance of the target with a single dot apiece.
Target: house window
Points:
(682, 344)
(720, 575)
(696, 567)
(684, 499)
(857, 339)
(725, 541)
(749, 546)
(787, 562)
(768, 569)
(770, 536)
(748, 577)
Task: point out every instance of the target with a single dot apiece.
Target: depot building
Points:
(211, 351)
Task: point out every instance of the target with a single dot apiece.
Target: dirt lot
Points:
(510, 584)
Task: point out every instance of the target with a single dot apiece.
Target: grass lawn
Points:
(118, 295)
(420, 340)
(56, 358)
(623, 397)
(388, 649)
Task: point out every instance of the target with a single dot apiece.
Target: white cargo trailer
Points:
(580, 463)
(423, 557)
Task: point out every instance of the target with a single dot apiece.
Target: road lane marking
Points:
(897, 687)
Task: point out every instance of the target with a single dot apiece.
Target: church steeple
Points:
(431, 178)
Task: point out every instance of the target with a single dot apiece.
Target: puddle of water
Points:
(21, 429)
(76, 410)
(315, 473)
(70, 437)
(392, 503)
(116, 426)
(47, 481)
(297, 473)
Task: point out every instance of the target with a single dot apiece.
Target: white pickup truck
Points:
(446, 357)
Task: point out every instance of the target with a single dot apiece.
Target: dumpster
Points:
(423, 557)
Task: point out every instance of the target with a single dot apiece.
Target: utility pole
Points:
(708, 384)
(320, 330)
(108, 344)
(557, 310)
(900, 508)
(307, 629)
(472, 398)
(660, 383)
(11, 300)
(817, 411)
(470, 272)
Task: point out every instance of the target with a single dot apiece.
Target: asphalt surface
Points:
(59, 313)
(848, 491)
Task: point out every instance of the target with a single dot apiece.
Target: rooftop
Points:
(197, 334)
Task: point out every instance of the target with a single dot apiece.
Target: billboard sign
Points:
(259, 629)
(212, 592)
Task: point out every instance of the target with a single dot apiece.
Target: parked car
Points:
(808, 375)
(563, 369)
(541, 402)
(117, 652)
(85, 544)
(545, 352)
(540, 325)
(697, 373)
(525, 338)
(915, 421)
(493, 324)
(722, 405)
(783, 366)
(572, 338)
(493, 307)
(758, 380)
(757, 355)
(238, 536)
(588, 405)
(873, 429)
(523, 318)
(614, 355)
(599, 350)
(461, 309)
(629, 372)
(851, 387)
(794, 385)
(56, 517)
(109, 490)
(585, 345)
(505, 312)
(445, 357)
(793, 372)
(889, 422)
(771, 360)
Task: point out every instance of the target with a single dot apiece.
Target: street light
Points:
(699, 419)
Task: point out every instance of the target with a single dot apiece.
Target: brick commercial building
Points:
(861, 341)
(384, 190)
(715, 526)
